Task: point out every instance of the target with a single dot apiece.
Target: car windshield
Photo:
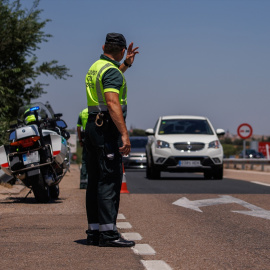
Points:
(185, 126)
(138, 142)
(251, 152)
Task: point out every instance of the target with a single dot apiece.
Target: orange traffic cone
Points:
(124, 183)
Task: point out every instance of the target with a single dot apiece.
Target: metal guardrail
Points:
(243, 163)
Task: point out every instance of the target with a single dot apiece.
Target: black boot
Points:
(119, 242)
(92, 237)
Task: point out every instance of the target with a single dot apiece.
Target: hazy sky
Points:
(208, 58)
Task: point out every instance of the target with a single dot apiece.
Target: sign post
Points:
(267, 151)
(244, 131)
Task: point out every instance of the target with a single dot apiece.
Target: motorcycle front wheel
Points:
(41, 191)
(54, 192)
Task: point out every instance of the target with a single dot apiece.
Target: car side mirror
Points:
(220, 132)
(149, 131)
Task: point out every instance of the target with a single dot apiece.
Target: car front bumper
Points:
(172, 164)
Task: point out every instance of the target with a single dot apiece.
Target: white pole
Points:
(267, 151)
(244, 148)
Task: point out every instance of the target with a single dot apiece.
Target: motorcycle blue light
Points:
(34, 109)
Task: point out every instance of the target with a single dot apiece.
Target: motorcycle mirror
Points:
(58, 115)
(12, 136)
(61, 124)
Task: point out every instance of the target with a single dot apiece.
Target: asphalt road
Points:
(189, 183)
(186, 223)
(217, 237)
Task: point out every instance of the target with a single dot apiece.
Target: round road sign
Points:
(244, 131)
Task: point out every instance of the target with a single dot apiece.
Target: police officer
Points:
(81, 123)
(30, 118)
(107, 140)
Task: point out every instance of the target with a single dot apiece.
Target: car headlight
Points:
(162, 144)
(214, 144)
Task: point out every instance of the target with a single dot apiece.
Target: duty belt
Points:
(103, 108)
(99, 117)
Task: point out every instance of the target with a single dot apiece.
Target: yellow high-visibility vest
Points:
(84, 117)
(94, 88)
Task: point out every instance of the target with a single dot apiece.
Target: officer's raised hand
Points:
(131, 54)
(129, 57)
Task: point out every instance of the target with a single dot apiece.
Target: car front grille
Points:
(189, 146)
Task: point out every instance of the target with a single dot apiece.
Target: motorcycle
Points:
(38, 153)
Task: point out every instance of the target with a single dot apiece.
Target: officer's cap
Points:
(116, 38)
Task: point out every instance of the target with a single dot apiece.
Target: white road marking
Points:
(123, 225)
(224, 199)
(143, 249)
(155, 265)
(260, 183)
(120, 216)
(256, 213)
(132, 236)
(195, 205)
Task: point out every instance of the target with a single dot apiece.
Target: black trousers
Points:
(83, 175)
(105, 174)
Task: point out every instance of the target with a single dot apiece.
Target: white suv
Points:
(184, 144)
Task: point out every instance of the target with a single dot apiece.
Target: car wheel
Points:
(148, 174)
(152, 172)
(218, 173)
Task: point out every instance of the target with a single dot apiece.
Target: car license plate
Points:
(189, 163)
(29, 158)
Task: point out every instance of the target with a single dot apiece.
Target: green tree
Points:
(21, 33)
(230, 150)
(238, 142)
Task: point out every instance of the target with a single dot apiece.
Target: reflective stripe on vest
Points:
(94, 87)
(99, 91)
